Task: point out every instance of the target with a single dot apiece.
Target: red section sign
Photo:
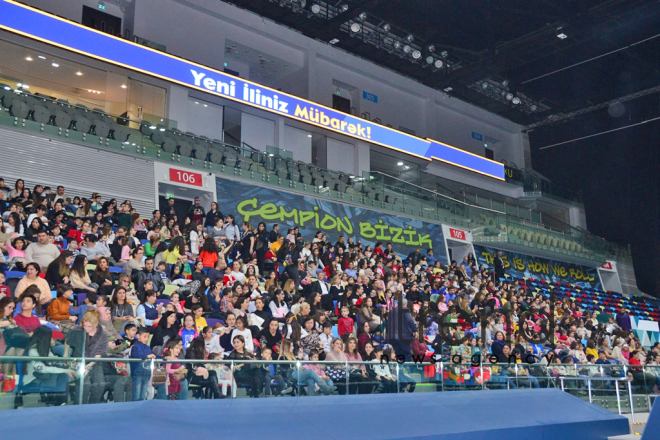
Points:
(186, 177)
(457, 234)
(607, 266)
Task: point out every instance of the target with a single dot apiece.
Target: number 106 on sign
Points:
(186, 177)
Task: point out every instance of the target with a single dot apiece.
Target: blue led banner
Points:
(38, 25)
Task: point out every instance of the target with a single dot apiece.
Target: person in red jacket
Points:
(378, 249)
(345, 324)
(639, 375)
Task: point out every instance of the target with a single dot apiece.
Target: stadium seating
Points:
(594, 300)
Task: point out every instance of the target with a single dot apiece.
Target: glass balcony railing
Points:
(80, 380)
(535, 185)
(158, 140)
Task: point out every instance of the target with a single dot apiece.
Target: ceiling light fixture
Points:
(429, 60)
(55, 65)
(334, 41)
(431, 48)
(406, 49)
(42, 57)
(560, 33)
(316, 9)
(438, 64)
(387, 27)
(515, 100)
(355, 27)
(79, 73)
(123, 86)
(410, 38)
(344, 8)
(400, 164)
(444, 54)
(362, 16)
(509, 96)
(416, 54)
(28, 58)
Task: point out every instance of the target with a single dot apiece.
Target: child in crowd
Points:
(271, 374)
(318, 369)
(73, 247)
(57, 237)
(326, 337)
(140, 375)
(225, 378)
(345, 324)
(189, 330)
(123, 345)
(200, 321)
(102, 307)
(88, 303)
(175, 301)
(162, 271)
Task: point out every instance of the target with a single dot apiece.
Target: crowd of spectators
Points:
(204, 286)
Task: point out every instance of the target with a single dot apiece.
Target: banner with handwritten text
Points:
(256, 204)
(520, 265)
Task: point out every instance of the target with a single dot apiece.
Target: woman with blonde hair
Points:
(96, 345)
(289, 289)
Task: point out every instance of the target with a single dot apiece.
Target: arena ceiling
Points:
(556, 57)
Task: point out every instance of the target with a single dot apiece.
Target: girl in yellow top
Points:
(176, 248)
(200, 321)
(277, 245)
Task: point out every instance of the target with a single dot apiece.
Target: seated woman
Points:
(310, 339)
(243, 373)
(45, 376)
(59, 269)
(58, 310)
(10, 339)
(32, 278)
(80, 280)
(367, 314)
(121, 311)
(271, 337)
(358, 372)
(102, 277)
(198, 374)
(167, 329)
(148, 310)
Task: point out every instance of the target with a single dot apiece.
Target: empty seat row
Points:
(545, 239)
(60, 113)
